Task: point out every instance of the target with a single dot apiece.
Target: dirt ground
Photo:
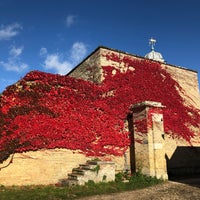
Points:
(184, 189)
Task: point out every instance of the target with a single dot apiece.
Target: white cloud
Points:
(58, 64)
(43, 51)
(13, 65)
(70, 20)
(9, 31)
(78, 51)
(53, 62)
(15, 52)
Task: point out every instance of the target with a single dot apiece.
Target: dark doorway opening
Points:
(184, 163)
(132, 143)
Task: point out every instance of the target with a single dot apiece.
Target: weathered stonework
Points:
(96, 171)
(39, 167)
(51, 166)
(89, 69)
(150, 152)
(187, 79)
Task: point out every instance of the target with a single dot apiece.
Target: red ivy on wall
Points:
(52, 111)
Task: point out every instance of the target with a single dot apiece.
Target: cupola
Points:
(153, 54)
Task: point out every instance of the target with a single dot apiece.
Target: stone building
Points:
(168, 155)
(158, 155)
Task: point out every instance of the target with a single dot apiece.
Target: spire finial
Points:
(153, 54)
(152, 42)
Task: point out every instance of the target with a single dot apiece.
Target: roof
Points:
(130, 54)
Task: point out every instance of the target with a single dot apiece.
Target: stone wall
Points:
(47, 166)
(187, 79)
(89, 69)
(39, 167)
(50, 166)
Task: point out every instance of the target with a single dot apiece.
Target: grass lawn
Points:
(64, 192)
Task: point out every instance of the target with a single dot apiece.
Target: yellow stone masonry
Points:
(50, 166)
(39, 167)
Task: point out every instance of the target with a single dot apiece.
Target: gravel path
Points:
(188, 190)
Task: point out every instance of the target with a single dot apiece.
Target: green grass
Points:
(61, 193)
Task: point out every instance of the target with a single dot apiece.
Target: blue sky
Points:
(55, 35)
